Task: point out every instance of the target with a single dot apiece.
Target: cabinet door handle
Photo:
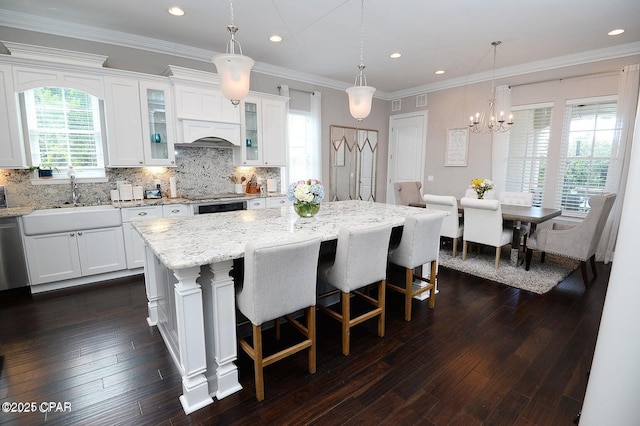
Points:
(139, 162)
(142, 213)
(71, 234)
(175, 211)
(79, 233)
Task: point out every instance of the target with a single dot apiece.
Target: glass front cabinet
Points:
(157, 124)
(264, 127)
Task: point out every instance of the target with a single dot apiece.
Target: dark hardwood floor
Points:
(488, 354)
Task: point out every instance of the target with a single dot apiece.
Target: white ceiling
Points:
(322, 37)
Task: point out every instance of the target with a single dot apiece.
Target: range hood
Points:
(210, 134)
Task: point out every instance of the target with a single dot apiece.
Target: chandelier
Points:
(495, 123)
(234, 70)
(360, 95)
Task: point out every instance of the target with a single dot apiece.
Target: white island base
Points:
(186, 304)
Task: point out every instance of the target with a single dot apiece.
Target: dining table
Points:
(189, 280)
(518, 215)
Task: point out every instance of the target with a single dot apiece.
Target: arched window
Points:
(63, 127)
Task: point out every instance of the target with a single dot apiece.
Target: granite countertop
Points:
(23, 211)
(203, 239)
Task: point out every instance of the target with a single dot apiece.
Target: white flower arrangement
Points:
(306, 191)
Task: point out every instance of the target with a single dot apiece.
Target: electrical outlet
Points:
(430, 178)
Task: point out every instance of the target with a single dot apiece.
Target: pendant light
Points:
(360, 95)
(234, 70)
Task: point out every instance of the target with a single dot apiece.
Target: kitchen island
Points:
(190, 291)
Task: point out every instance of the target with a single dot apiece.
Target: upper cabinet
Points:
(264, 124)
(124, 122)
(139, 117)
(12, 153)
(158, 122)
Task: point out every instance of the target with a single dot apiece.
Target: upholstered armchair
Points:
(575, 241)
(483, 225)
(451, 227)
(407, 192)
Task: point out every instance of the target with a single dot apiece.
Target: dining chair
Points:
(451, 225)
(419, 245)
(483, 225)
(407, 192)
(513, 198)
(361, 260)
(576, 241)
(279, 279)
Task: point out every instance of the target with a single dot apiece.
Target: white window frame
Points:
(564, 158)
(61, 172)
(528, 154)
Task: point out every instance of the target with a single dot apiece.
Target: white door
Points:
(408, 137)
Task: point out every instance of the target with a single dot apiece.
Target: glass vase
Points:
(306, 209)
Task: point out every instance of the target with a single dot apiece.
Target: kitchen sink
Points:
(52, 220)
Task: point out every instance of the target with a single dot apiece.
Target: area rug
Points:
(540, 278)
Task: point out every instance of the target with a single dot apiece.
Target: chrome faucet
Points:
(75, 192)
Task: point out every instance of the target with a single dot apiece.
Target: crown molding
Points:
(39, 53)
(101, 35)
(620, 51)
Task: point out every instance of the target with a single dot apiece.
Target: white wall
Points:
(613, 391)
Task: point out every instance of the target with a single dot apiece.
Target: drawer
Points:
(278, 202)
(174, 210)
(256, 203)
(137, 213)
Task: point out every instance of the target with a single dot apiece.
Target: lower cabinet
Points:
(66, 255)
(278, 202)
(134, 245)
(268, 202)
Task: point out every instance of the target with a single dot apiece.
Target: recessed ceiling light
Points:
(616, 32)
(440, 72)
(395, 55)
(176, 11)
(275, 38)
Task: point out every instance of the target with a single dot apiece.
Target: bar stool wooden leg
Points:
(257, 361)
(432, 282)
(311, 334)
(346, 328)
(407, 293)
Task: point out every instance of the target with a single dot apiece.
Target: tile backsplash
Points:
(198, 170)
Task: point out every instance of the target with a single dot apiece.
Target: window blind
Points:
(528, 148)
(64, 129)
(586, 155)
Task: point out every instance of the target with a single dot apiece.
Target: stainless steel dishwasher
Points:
(13, 268)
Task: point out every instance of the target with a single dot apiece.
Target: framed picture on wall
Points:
(455, 154)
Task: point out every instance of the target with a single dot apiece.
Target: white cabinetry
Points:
(124, 122)
(140, 122)
(278, 202)
(256, 203)
(264, 129)
(268, 202)
(12, 152)
(134, 245)
(66, 255)
(158, 134)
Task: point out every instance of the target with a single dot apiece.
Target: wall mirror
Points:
(353, 156)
